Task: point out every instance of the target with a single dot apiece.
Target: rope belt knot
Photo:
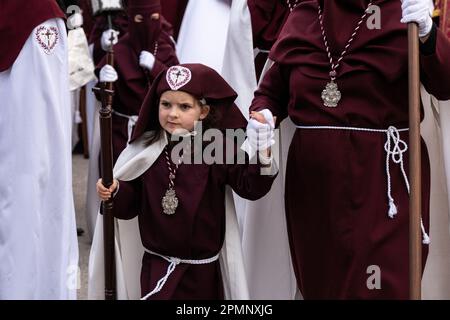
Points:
(132, 120)
(173, 262)
(395, 147)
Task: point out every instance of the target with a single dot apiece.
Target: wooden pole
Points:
(107, 177)
(106, 93)
(415, 203)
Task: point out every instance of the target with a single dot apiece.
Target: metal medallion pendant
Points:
(331, 95)
(170, 202)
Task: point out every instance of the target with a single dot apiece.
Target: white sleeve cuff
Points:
(117, 189)
(269, 166)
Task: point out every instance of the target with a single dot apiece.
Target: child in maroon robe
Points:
(181, 206)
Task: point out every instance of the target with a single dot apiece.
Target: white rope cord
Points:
(394, 147)
(172, 265)
(132, 120)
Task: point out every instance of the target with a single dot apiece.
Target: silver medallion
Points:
(331, 95)
(170, 202)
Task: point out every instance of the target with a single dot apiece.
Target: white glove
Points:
(106, 36)
(75, 21)
(108, 74)
(146, 60)
(269, 117)
(261, 135)
(417, 11)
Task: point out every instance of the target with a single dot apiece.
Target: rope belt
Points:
(131, 122)
(394, 147)
(172, 265)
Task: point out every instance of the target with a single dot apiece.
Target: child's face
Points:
(179, 110)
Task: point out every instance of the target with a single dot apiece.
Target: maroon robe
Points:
(173, 11)
(336, 188)
(268, 17)
(195, 231)
(88, 18)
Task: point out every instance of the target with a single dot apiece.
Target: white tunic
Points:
(38, 240)
(203, 33)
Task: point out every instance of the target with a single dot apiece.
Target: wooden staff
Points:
(106, 92)
(415, 201)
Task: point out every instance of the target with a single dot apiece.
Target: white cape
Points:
(133, 162)
(93, 128)
(436, 132)
(38, 240)
(203, 32)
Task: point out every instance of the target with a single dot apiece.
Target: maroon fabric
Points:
(268, 17)
(195, 231)
(336, 188)
(17, 19)
(205, 83)
(174, 10)
(88, 17)
(143, 6)
(145, 33)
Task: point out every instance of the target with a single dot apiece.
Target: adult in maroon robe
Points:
(336, 182)
(197, 229)
(133, 80)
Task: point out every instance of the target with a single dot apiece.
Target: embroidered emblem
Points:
(47, 37)
(178, 77)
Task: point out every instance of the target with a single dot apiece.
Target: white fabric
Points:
(268, 116)
(264, 158)
(132, 163)
(108, 74)
(203, 31)
(238, 67)
(92, 116)
(75, 116)
(75, 21)
(435, 129)
(92, 200)
(38, 241)
(260, 136)
(418, 11)
(262, 222)
(81, 66)
(105, 40)
(132, 120)
(146, 60)
(91, 101)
